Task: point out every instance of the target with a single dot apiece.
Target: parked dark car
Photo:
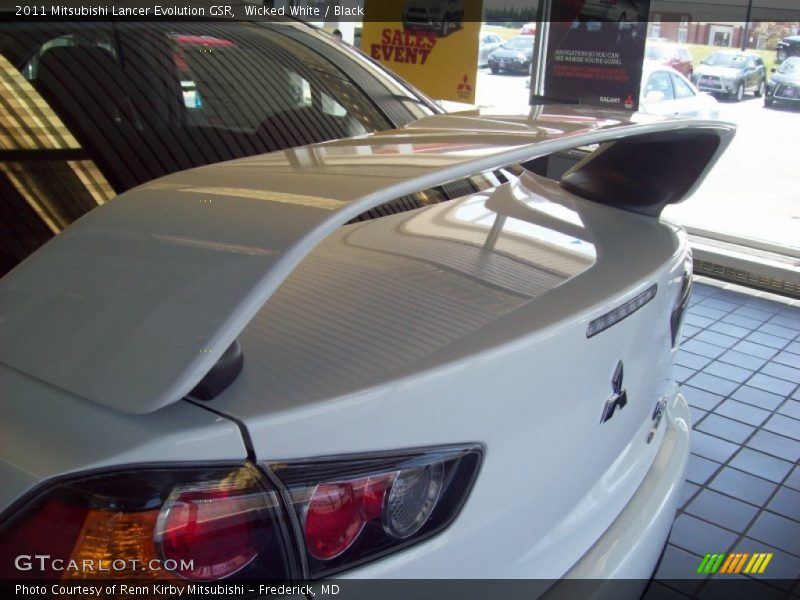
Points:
(784, 87)
(515, 55)
(441, 16)
(732, 74)
(790, 46)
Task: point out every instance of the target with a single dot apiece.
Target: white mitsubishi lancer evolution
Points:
(440, 350)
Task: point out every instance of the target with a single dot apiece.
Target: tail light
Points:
(302, 520)
(200, 524)
(208, 531)
(359, 509)
(682, 303)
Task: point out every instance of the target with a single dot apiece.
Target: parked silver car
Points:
(732, 74)
(488, 43)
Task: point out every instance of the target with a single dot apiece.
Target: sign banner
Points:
(433, 44)
(594, 52)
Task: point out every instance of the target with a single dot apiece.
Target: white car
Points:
(488, 42)
(429, 352)
(666, 92)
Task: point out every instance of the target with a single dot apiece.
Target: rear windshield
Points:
(790, 67)
(93, 109)
(520, 43)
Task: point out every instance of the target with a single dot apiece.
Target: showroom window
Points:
(744, 220)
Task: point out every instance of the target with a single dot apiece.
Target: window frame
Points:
(677, 81)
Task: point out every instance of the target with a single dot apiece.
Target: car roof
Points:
(651, 66)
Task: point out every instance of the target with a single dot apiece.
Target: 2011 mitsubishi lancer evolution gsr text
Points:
(442, 350)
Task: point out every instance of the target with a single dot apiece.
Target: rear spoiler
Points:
(133, 304)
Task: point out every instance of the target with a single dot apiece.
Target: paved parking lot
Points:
(752, 192)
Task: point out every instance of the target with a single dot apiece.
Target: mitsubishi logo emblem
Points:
(619, 397)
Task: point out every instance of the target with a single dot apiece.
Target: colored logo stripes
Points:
(754, 563)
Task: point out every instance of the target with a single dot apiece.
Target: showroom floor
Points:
(740, 367)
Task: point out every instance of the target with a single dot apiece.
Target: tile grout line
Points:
(760, 509)
(764, 309)
(757, 427)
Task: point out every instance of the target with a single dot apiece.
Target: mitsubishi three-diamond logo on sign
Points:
(464, 88)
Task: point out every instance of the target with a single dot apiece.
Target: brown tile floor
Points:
(739, 364)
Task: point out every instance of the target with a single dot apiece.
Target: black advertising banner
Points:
(594, 52)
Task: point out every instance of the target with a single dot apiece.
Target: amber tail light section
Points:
(183, 524)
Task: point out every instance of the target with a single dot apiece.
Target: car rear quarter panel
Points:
(47, 433)
(531, 388)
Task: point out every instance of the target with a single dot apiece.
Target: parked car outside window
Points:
(784, 87)
(668, 93)
(789, 46)
(515, 55)
(489, 42)
(732, 74)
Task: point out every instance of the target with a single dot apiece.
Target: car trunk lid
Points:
(133, 305)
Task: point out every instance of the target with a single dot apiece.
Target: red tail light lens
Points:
(682, 302)
(201, 524)
(333, 521)
(353, 510)
(211, 530)
(338, 512)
